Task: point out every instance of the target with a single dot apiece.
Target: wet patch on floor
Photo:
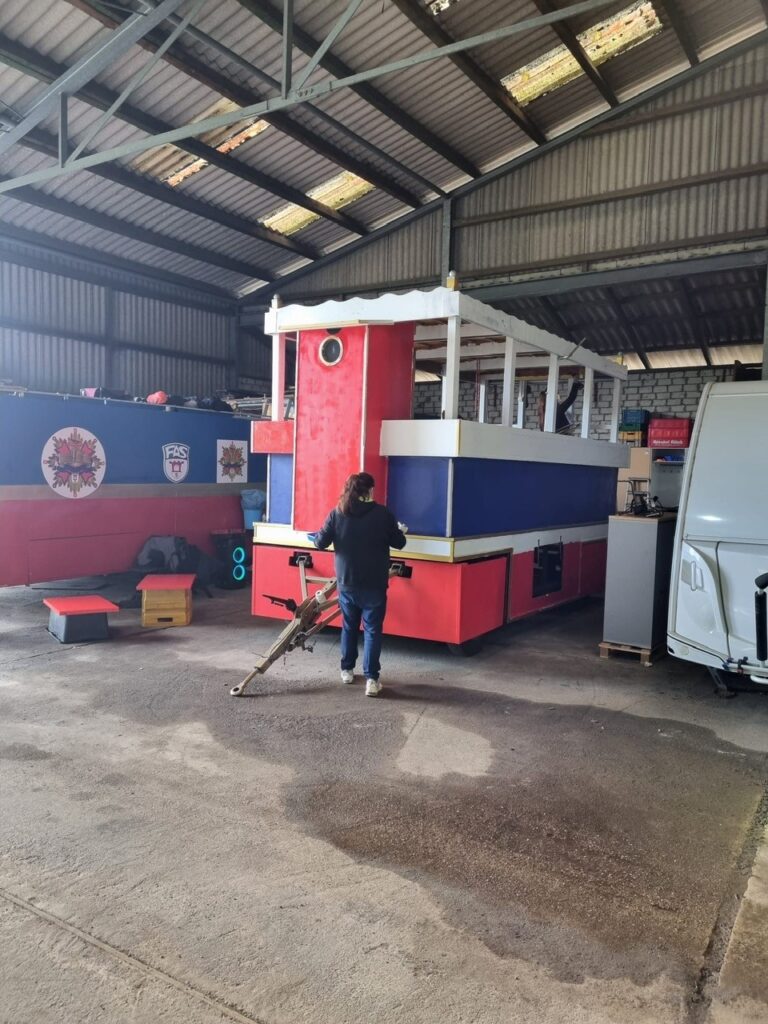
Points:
(594, 844)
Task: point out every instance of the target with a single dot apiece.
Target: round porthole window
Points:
(331, 350)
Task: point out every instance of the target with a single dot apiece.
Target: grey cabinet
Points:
(637, 580)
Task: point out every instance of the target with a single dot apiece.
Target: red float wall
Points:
(389, 392)
(448, 602)
(329, 402)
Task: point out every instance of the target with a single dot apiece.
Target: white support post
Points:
(586, 405)
(278, 376)
(615, 409)
(452, 366)
(508, 384)
(482, 404)
(550, 409)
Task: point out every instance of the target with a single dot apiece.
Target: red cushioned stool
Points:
(79, 619)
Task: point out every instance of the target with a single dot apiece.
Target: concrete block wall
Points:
(669, 393)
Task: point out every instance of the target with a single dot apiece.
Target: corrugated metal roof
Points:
(439, 97)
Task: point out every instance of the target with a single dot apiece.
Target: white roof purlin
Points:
(437, 304)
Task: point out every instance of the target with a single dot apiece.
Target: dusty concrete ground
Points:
(531, 835)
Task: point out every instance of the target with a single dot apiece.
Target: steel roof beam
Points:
(100, 56)
(188, 63)
(682, 30)
(273, 17)
(117, 226)
(551, 308)
(570, 41)
(469, 67)
(627, 326)
(194, 129)
(494, 292)
(43, 142)
(31, 63)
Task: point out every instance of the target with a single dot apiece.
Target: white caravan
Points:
(717, 607)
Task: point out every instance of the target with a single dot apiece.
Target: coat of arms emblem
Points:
(73, 462)
(231, 462)
(175, 461)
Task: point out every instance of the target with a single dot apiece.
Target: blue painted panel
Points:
(495, 496)
(417, 493)
(281, 489)
(132, 435)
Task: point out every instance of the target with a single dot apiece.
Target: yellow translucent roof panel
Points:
(606, 39)
(339, 191)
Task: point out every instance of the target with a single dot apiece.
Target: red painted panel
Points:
(271, 574)
(57, 539)
(87, 604)
(389, 391)
(270, 437)
(482, 597)
(521, 600)
(328, 424)
(446, 602)
(593, 560)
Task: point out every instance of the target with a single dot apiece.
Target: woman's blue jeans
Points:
(369, 607)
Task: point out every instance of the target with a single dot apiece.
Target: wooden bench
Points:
(79, 619)
(166, 600)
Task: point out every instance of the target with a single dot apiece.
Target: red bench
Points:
(79, 619)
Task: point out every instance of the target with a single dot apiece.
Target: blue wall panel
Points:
(132, 435)
(496, 496)
(417, 493)
(281, 489)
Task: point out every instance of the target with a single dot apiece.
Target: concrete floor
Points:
(530, 835)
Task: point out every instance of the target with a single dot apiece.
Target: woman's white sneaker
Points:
(372, 688)
(347, 677)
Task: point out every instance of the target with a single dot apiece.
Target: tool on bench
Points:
(315, 612)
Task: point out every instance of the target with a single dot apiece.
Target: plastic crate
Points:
(633, 437)
(634, 419)
(669, 433)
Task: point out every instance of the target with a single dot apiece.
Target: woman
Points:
(362, 533)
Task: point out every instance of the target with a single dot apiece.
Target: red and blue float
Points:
(503, 521)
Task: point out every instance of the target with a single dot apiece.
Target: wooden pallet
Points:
(647, 655)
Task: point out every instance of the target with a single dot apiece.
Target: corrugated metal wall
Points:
(641, 151)
(719, 140)
(60, 333)
(407, 257)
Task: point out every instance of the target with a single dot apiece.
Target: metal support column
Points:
(110, 349)
(586, 404)
(63, 129)
(508, 384)
(482, 404)
(446, 241)
(278, 376)
(452, 368)
(287, 47)
(615, 409)
(550, 409)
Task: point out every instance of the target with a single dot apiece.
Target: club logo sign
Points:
(175, 461)
(231, 462)
(73, 462)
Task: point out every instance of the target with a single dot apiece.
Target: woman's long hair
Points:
(357, 488)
